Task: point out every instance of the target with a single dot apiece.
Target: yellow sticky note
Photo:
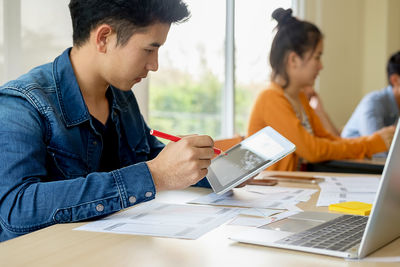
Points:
(352, 207)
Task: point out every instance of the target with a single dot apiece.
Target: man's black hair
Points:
(124, 16)
(393, 65)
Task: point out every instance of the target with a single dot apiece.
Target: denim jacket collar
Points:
(118, 103)
(70, 99)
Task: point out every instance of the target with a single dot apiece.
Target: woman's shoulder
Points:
(272, 91)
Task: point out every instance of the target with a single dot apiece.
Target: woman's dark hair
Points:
(292, 35)
(124, 16)
(393, 65)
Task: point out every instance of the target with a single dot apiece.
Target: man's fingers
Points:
(204, 163)
(199, 141)
(204, 152)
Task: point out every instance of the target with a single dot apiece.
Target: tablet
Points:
(247, 158)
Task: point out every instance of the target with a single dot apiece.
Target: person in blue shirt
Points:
(379, 108)
(74, 145)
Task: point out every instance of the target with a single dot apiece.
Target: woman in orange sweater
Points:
(295, 59)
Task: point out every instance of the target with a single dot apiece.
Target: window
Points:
(254, 31)
(46, 31)
(33, 32)
(185, 95)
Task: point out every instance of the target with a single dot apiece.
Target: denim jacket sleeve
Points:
(29, 201)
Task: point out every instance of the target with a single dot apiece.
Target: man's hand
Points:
(183, 163)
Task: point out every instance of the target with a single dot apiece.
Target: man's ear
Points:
(102, 37)
(394, 80)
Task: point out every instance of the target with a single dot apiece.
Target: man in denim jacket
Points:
(73, 143)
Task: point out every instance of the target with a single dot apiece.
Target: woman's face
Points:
(308, 67)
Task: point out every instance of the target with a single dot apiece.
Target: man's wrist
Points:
(152, 166)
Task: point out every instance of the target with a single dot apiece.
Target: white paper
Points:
(342, 189)
(258, 212)
(249, 221)
(253, 217)
(327, 198)
(260, 221)
(350, 184)
(287, 194)
(237, 198)
(164, 220)
(258, 197)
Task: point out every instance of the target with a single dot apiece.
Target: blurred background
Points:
(213, 66)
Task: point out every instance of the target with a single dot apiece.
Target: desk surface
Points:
(59, 245)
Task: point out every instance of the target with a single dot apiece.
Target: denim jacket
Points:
(50, 153)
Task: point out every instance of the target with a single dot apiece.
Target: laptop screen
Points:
(384, 221)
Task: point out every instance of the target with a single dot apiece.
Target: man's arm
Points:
(370, 116)
(29, 201)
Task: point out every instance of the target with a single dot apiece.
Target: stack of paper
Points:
(253, 196)
(342, 189)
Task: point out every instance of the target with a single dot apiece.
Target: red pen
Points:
(176, 139)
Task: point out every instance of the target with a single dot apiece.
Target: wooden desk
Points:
(367, 166)
(59, 245)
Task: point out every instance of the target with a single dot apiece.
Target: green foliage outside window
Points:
(181, 104)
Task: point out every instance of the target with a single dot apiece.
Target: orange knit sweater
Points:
(273, 109)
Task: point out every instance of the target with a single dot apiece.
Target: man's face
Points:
(395, 81)
(126, 65)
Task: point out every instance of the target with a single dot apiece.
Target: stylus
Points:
(176, 139)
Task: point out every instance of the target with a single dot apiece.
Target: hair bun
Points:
(282, 16)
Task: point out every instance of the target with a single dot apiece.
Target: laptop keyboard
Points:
(338, 234)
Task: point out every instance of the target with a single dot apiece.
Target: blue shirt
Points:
(51, 151)
(375, 111)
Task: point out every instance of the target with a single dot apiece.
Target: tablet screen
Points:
(246, 159)
(240, 161)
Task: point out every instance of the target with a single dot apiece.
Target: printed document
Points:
(253, 196)
(261, 221)
(342, 189)
(164, 220)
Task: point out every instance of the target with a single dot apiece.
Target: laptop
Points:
(340, 235)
